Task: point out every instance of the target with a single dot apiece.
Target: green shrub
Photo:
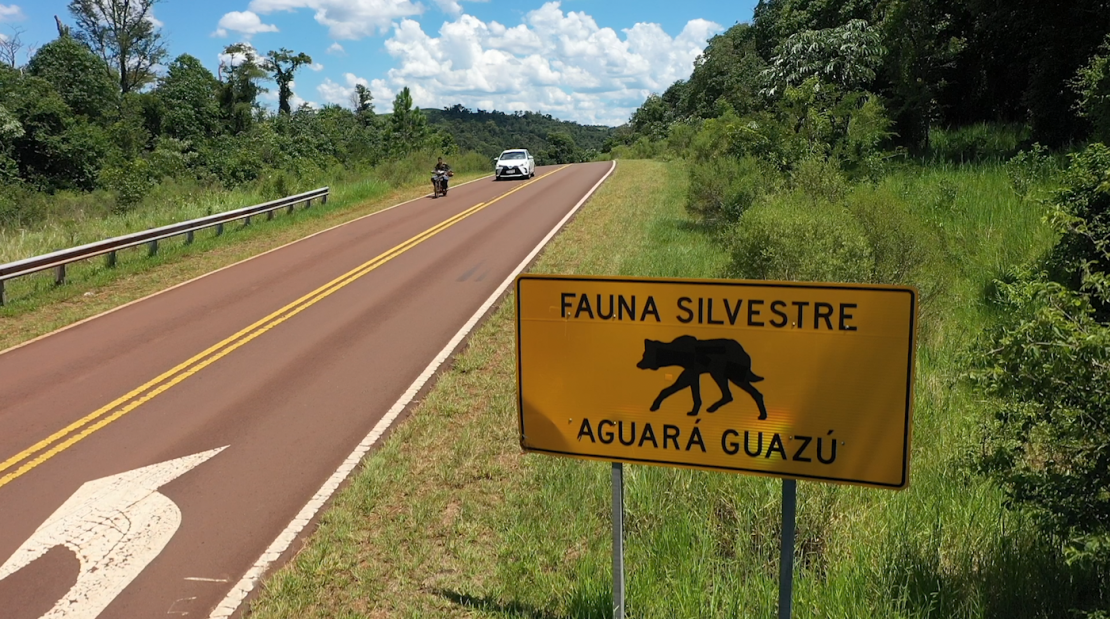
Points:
(1028, 169)
(820, 179)
(130, 180)
(1046, 367)
(17, 209)
(722, 189)
(1083, 216)
(792, 239)
(171, 158)
(905, 250)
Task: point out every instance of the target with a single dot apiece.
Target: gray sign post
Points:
(786, 553)
(618, 540)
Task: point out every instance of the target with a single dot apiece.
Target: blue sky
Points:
(593, 61)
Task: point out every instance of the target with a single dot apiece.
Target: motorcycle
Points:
(439, 182)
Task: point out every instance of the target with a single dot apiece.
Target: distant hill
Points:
(490, 133)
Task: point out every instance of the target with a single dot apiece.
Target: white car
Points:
(517, 162)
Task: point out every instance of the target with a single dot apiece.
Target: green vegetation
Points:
(955, 145)
(551, 141)
(857, 115)
(448, 519)
(872, 142)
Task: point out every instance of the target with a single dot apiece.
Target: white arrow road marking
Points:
(116, 526)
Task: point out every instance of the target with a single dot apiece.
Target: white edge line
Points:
(242, 589)
(223, 268)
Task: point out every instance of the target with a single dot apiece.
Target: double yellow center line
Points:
(77, 431)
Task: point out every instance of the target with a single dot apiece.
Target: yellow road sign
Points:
(810, 381)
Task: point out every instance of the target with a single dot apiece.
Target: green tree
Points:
(1092, 84)
(726, 72)
(561, 149)
(284, 64)
(408, 127)
(240, 72)
(188, 94)
(77, 75)
(124, 34)
(846, 55)
(363, 103)
(652, 118)
(57, 150)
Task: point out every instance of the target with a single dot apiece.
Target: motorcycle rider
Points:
(441, 166)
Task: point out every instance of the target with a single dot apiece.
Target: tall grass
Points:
(981, 142)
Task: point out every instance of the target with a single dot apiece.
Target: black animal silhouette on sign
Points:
(724, 360)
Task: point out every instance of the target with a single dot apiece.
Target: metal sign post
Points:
(618, 540)
(786, 553)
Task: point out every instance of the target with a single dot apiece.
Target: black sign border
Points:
(907, 424)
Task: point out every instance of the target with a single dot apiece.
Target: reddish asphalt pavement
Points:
(290, 400)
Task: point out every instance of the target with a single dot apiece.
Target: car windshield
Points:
(513, 155)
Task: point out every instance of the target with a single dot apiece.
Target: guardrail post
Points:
(111, 262)
(153, 248)
(270, 215)
(3, 294)
(308, 204)
(60, 275)
(324, 199)
(189, 237)
(247, 221)
(219, 229)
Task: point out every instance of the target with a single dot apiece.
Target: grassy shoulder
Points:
(36, 306)
(448, 518)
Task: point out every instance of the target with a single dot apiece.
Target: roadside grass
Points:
(36, 305)
(449, 519)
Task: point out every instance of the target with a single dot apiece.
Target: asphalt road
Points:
(290, 360)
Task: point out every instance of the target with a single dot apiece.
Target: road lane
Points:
(291, 404)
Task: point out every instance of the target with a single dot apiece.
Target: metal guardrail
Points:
(59, 259)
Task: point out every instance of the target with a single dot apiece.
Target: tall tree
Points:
(363, 102)
(124, 33)
(408, 126)
(727, 71)
(188, 93)
(77, 75)
(284, 64)
(240, 72)
(846, 55)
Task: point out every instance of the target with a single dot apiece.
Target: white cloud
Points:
(561, 63)
(154, 21)
(316, 66)
(332, 92)
(337, 49)
(245, 23)
(11, 12)
(347, 19)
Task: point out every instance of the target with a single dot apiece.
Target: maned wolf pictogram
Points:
(724, 360)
